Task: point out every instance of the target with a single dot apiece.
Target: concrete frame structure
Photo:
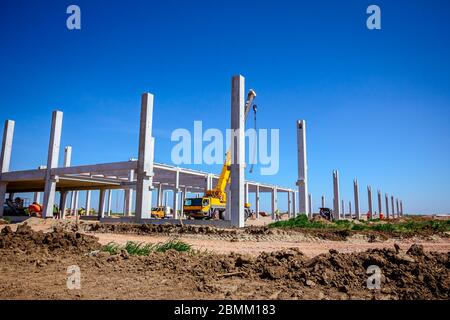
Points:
(336, 197)
(356, 196)
(138, 174)
(302, 181)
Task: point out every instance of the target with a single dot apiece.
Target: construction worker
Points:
(56, 212)
(277, 215)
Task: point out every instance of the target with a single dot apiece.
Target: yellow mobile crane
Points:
(212, 205)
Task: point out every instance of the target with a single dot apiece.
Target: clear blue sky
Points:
(377, 103)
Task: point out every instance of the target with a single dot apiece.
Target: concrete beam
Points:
(356, 195)
(336, 199)
(52, 162)
(237, 150)
(302, 181)
(144, 182)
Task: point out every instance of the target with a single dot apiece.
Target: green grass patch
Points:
(141, 249)
(410, 225)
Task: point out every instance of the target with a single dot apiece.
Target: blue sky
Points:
(376, 103)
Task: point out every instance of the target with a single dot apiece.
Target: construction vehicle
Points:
(162, 212)
(212, 205)
(326, 213)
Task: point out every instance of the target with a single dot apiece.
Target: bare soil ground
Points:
(254, 263)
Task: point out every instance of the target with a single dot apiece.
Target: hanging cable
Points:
(255, 108)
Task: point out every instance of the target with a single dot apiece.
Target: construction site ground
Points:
(256, 262)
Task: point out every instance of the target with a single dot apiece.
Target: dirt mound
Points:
(26, 239)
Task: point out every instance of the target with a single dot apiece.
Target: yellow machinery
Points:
(212, 205)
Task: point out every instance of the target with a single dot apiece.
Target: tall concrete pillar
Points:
(88, 201)
(336, 199)
(160, 195)
(101, 203)
(108, 207)
(274, 202)
(128, 194)
(398, 208)
(257, 201)
(401, 207)
(184, 195)
(380, 209)
(310, 205)
(52, 162)
(356, 195)
(67, 156)
(369, 200)
(175, 203)
(289, 204)
(144, 182)
(386, 197)
(323, 201)
(37, 197)
(5, 158)
(350, 209)
(75, 202)
(343, 208)
(246, 192)
(294, 203)
(392, 206)
(62, 203)
(237, 150)
(302, 181)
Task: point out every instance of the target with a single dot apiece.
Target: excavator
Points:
(212, 205)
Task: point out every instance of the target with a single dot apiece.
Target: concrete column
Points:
(356, 195)
(5, 158)
(401, 208)
(257, 201)
(294, 204)
(386, 197)
(369, 198)
(108, 207)
(183, 199)
(175, 203)
(380, 209)
(52, 162)
(289, 204)
(302, 181)
(88, 201)
(310, 206)
(101, 204)
(62, 203)
(37, 197)
(274, 202)
(350, 209)
(237, 150)
(343, 209)
(323, 202)
(67, 156)
(246, 193)
(159, 195)
(128, 194)
(166, 198)
(144, 182)
(398, 208)
(75, 202)
(392, 206)
(336, 199)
